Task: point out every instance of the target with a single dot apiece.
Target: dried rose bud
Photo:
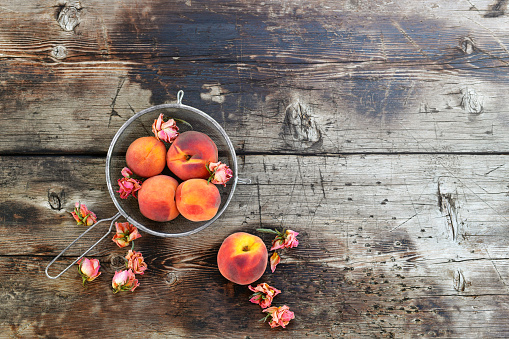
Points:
(263, 294)
(280, 316)
(165, 131)
(125, 234)
(83, 216)
(135, 262)
(89, 269)
(285, 240)
(219, 173)
(124, 281)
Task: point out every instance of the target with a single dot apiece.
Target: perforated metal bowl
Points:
(139, 126)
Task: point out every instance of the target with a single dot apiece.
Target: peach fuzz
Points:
(156, 198)
(190, 154)
(197, 199)
(146, 157)
(242, 258)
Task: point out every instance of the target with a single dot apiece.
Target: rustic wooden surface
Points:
(376, 129)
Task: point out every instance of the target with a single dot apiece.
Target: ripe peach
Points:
(197, 199)
(189, 155)
(146, 156)
(242, 258)
(156, 198)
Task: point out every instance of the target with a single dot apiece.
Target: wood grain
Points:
(376, 129)
(378, 252)
(391, 82)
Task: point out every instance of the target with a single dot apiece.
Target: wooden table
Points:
(377, 129)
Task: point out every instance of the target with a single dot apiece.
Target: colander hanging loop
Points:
(180, 96)
(113, 219)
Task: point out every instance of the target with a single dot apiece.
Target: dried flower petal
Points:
(125, 234)
(274, 260)
(135, 262)
(83, 216)
(126, 172)
(124, 281)
(219, 173)
(263, 294)
(280, 316)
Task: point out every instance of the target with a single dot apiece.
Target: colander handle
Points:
(113, 219)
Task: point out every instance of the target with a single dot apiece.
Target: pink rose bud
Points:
(274, 260)
(280, 316)
(165, 131)
(263, 294)
(83, 216)
(128, 186)
(125, 234)
(285, 240)
(135, 262)
(124, 281)
(89, 269)
(219, 173)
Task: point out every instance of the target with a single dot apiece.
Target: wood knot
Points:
(69, 16)
(117, 262)
(299, 128)
(497, 9)
(472, 101)
(467, 45)
(56, 200)
(171, 278)
(59, 52)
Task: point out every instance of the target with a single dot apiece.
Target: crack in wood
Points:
(113, 112)
(459, 282)
(447, 205)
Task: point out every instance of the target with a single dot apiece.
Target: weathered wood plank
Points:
(314, 78)
(448, 197)
(376, 129)
(412, 244)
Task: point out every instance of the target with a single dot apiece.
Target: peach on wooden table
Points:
(146, 156)
(190, 154)
(197, 199)
(242, 258)
(156, 198)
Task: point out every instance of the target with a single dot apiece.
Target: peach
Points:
(146, 157)
(242, 258)
(197, 199)
(156, 198)
(189, 155)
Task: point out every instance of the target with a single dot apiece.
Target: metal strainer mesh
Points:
(141, 125)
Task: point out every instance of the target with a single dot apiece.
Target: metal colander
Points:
(140, 125)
